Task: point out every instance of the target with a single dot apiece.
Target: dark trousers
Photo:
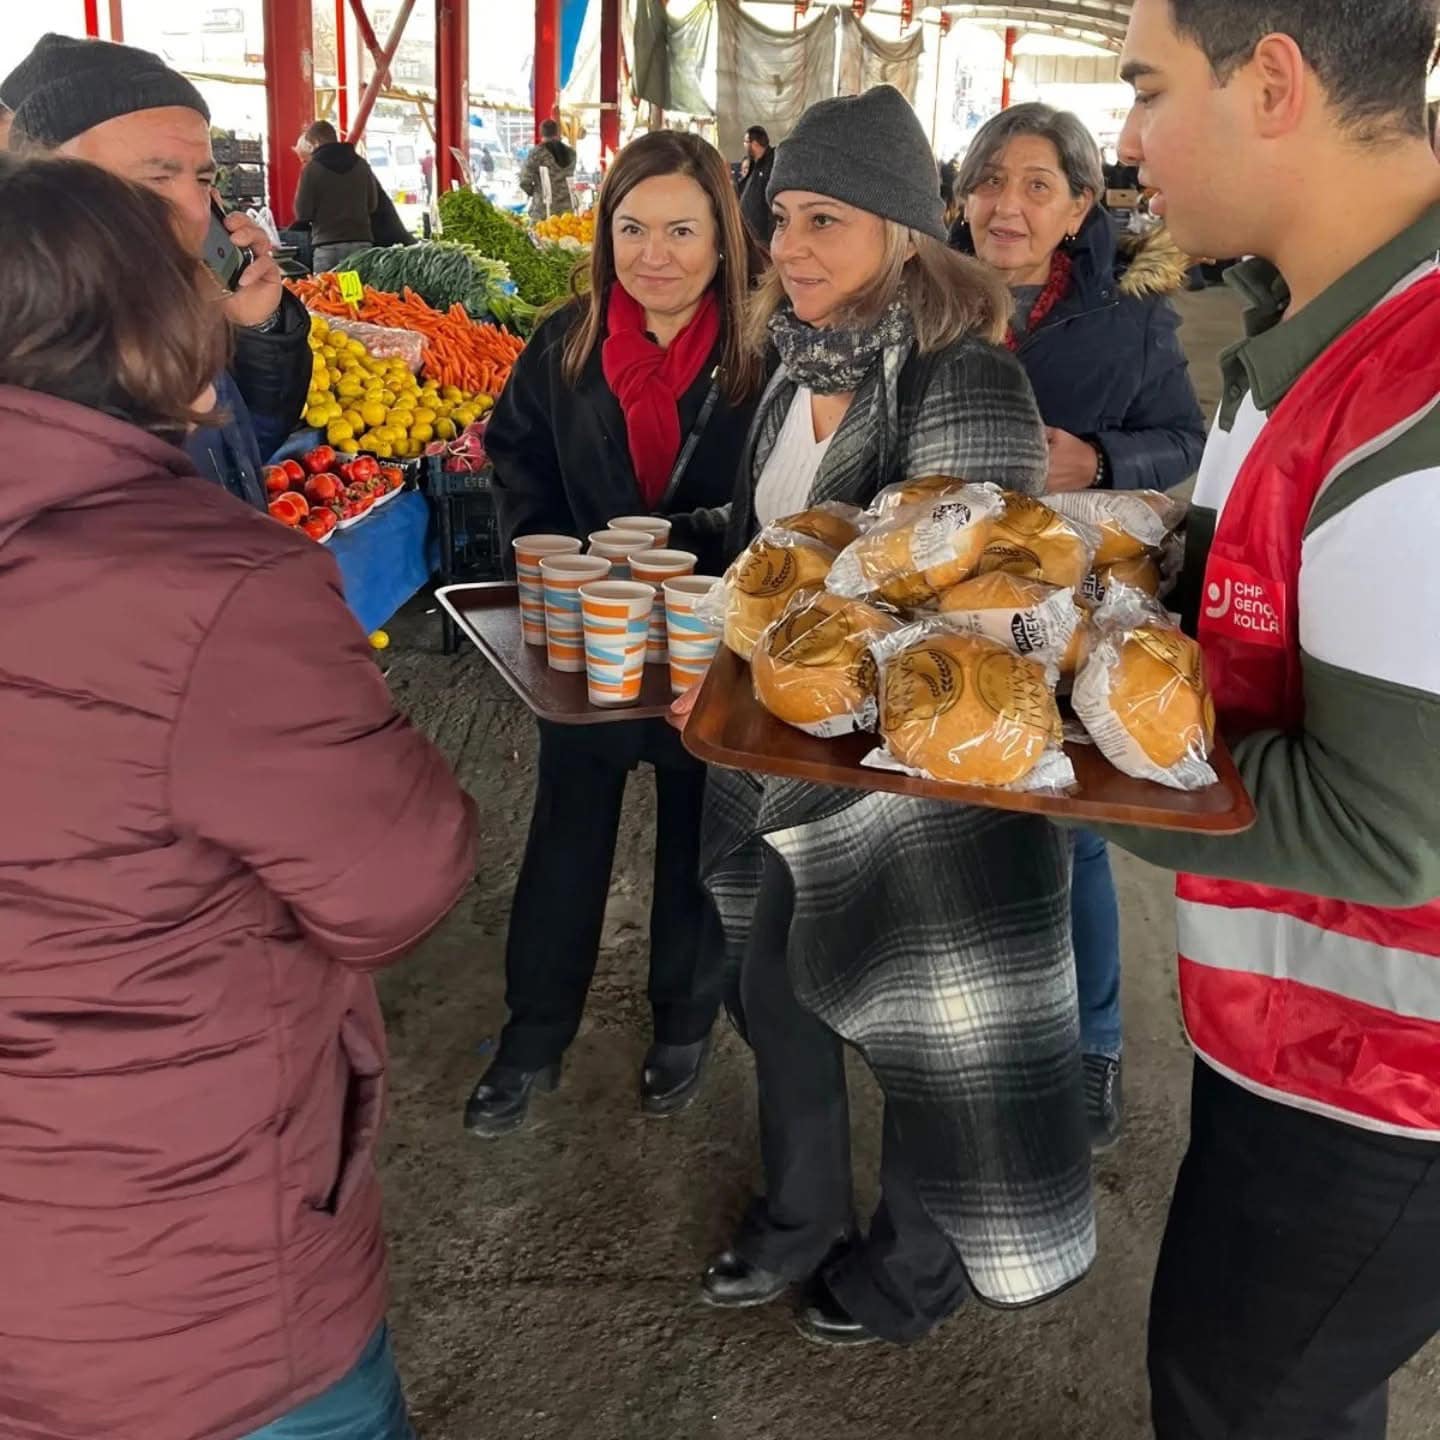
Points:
(559, 906)
(1300, 1270)
(903, 1278)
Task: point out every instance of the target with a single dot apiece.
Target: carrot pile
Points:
(459, 351)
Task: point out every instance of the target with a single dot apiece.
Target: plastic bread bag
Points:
(909, 558)
(1152, 574)
(1028, 616)
(1130, 522)
(383, 342)
(963, 709)
(1033, 540)
(914, 492)
(761, 582)
(813, 668)
(1142, 696)
(831, 522)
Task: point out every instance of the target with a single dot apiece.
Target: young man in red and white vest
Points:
(1301, 1264)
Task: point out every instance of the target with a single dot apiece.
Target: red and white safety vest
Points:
(1329, 1006)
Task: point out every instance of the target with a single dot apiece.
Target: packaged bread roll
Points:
(830, 522)
(919, 551)
(1140, 573)
(813, 668)
(1029, 616)
(764, 578)
(1142, 697)
(1032, 540)
(1130, 521)
(915, 492)
(963, 709)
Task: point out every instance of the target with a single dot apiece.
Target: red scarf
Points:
(649, 382)
(1057, 287)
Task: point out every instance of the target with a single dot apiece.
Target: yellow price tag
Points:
(352, 292)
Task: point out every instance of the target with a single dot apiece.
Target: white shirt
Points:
(790, 472)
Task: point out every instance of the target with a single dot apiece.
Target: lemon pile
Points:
(364, 402)
(568, 227)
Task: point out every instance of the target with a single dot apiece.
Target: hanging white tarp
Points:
(867, 61)
(769, 77)
(674, 59)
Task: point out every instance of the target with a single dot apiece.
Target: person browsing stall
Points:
(1099, 341)
(126, 111)
(869, 918)
(634, 398)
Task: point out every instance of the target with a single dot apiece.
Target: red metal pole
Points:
(452, 91)
(609, 79)
(289, 95)
(117, 21)
(547, 62)
(342, 69)
(92, 19)
(1008, 74)
(367, 34)
(382, 69)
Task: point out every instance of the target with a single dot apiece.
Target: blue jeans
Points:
(1095, 928)
(367, 1404)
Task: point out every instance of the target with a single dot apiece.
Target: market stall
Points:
(412, 346)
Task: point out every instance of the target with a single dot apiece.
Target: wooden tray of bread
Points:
(489, 615)
(730, 728)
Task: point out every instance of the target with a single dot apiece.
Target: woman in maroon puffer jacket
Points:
(214, 826)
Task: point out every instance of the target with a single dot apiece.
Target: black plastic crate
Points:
(469, 543)
(238, 152)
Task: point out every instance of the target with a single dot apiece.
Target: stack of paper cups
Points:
(647, 525)
(562, 576)
(691, 640)
(617, 546)
(530, 550)
(615, 615)
(654, 567)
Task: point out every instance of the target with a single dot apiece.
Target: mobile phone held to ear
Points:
(227, 260)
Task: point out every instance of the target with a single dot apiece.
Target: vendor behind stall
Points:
(126, 111)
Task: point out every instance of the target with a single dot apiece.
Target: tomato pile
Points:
(318, 491)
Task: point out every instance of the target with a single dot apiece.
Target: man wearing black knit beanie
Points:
(125, 110)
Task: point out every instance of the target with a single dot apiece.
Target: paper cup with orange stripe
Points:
(563, 575)
(691, 640)
(655, 525)
(617, 546)
(616, 616)
(530, 550)
(654, 567)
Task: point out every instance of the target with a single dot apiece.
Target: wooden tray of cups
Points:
(729, 727)
(489, 615)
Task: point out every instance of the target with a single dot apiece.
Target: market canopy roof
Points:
(1097, 22)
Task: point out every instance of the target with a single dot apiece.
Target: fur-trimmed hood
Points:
(1151, 264)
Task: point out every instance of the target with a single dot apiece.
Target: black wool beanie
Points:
(71, 86)
(869, 151)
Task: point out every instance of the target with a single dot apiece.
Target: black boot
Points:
(671, 1076)
(498, 1104)
(826, 1321)
(1104, 1102)
(732, 1283)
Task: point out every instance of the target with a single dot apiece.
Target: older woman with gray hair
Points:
(931, 937)
(1099, 340)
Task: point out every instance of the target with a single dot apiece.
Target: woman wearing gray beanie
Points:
(933, 938)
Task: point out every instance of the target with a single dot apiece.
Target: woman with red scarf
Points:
(1100, 344)
(633, 399)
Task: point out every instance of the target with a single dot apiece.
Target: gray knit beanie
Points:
(71, 86)
(869, 151)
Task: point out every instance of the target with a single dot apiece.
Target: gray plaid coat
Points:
(935, 938)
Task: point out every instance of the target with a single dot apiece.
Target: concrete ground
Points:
(545, 1284)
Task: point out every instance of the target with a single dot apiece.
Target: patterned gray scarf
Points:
(834, 362)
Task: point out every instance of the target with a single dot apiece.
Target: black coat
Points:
(1107, 364)
(753, 204)
(562, 458)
